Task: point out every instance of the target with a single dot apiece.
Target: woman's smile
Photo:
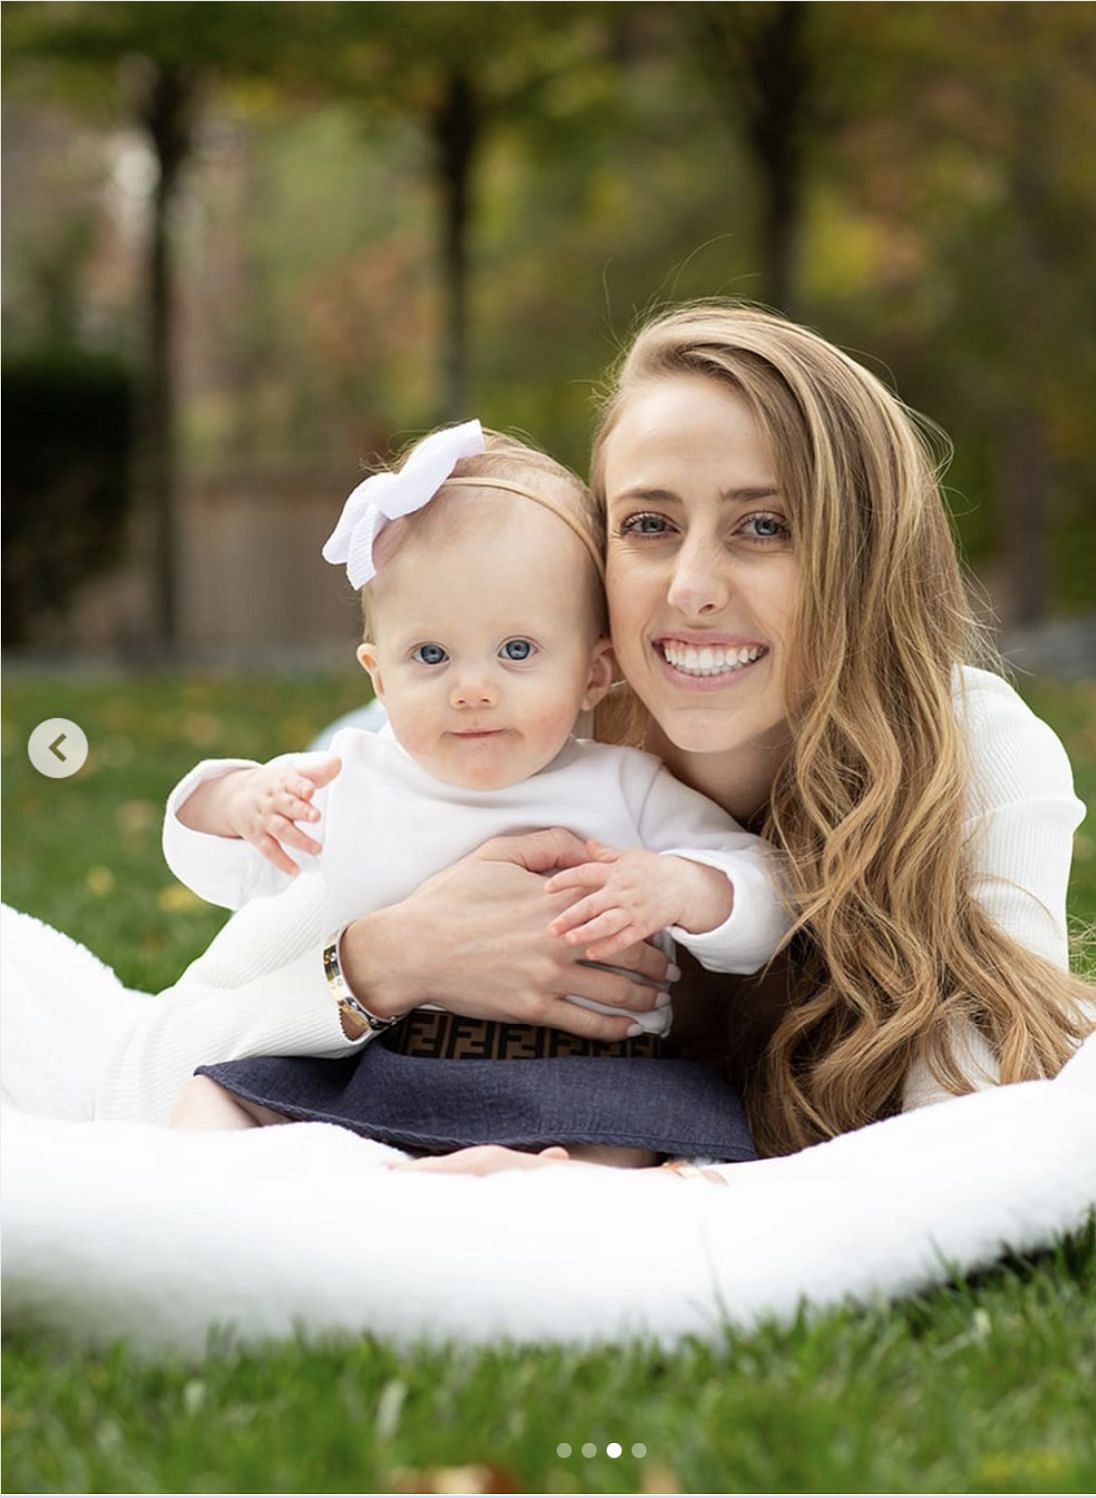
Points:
(701, 660)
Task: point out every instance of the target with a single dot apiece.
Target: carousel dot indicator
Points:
(639, 1451)
(614, 1449)
(589, 1449)
(563, 1449)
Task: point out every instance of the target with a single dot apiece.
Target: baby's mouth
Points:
(709, 660)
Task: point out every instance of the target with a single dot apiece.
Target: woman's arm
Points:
(473, 938)
(1022, 814)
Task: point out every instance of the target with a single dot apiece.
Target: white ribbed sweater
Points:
(259, 988)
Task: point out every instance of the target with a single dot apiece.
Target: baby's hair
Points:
(505, 458)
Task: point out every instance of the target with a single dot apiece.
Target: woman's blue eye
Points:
(429, 654)
(517, 650)
(644, 525)
(767, 527)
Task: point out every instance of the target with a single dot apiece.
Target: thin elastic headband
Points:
(545, 503)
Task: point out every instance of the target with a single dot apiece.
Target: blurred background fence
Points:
(249, 246)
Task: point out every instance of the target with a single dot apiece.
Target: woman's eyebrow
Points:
(760, 491)
(667, 496)
(651, 496)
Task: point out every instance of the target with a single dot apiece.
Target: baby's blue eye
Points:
(429, 654)
(517, 650)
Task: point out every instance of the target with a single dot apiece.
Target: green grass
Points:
(982, 1386)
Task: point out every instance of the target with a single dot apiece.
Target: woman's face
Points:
(701, 571)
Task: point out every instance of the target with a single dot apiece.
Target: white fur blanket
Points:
(122, 1230)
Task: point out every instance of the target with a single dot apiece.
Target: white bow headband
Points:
(391, 496)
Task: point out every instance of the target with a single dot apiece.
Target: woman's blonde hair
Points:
(891, 948)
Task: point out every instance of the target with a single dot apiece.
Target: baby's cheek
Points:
(551, 723)
(413, 733)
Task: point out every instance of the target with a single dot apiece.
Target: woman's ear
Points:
(367, 660)
(600, 678)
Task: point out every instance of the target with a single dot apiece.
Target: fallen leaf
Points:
(99, 880)
(176, 897)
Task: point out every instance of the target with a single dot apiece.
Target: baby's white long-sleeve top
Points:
(387, 824)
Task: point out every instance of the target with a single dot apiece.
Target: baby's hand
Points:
(262, 806)
(635, 894)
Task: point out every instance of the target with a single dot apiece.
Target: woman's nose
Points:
(474, 690)
(699, 584)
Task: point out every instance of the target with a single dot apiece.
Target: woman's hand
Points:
(475, 939)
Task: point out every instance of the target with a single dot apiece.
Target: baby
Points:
(479, 563)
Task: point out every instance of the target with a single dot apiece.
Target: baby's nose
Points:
(474, 692)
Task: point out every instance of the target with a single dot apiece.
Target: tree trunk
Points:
(455, 124)
(777, 130)
(758, 58)
(166, 111)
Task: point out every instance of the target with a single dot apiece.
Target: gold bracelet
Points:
(349, 1004)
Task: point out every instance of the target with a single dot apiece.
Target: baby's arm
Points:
(635, 894)
(229, 824)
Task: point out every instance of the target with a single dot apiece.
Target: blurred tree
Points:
(459, 71)
(958, 248)
(763, 66)
(152, 63)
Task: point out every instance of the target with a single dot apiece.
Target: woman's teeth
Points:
(709, 660)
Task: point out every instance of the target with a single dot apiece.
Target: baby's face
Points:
(485, 651)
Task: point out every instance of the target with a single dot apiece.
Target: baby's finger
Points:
(600, 853)
(598, 930)
(324, 773)
(290, 835)
(583, 876)
(576, 914)
(294, 807)
(273, 852)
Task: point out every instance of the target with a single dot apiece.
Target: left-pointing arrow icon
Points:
(58, 748)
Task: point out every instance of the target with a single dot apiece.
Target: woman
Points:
(788, 612)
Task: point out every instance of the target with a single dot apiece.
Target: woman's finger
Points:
(646, 960)
(539, 852)
(605, 949)
(600, 853)
(611, 989)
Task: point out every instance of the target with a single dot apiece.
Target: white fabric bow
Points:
(390, 496)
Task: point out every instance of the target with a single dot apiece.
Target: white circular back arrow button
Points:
(58, 748)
